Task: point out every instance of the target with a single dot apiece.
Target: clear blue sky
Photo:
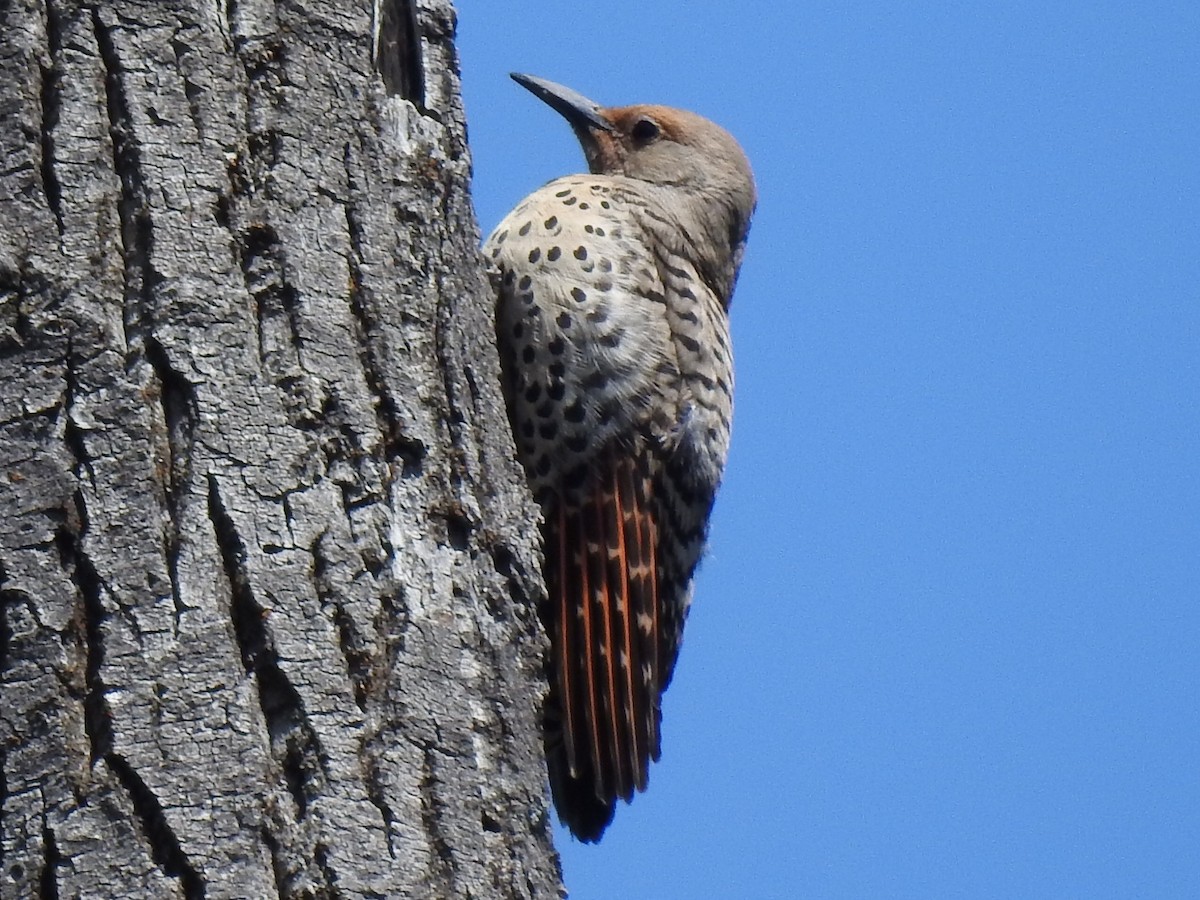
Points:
(946, 641)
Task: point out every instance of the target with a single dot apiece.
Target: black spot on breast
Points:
(690, 343)
(548, 430)
(556, 346)
(689, 316)
(564, 193)
(570, 201)
(581, 252)
(545, 410)
(557, 369)
(607, 412)
(681, 274)
(578, 294)
(686, 293)
(510, 276)
(518, 330)
(535, 254)
(524, 229)
(573, 412)
(584, 205)
(605, 264)
(502, 236)
(577, 443)
(556, 390)
(527, 299)
(612, 339)
(525, 283)
(594, 380)
(554, 253)
(604, 204)
(551, 222)
(604, 285)
(599, 314)
(599, 232)
(528, 355)
(563, 320)
(533, 392)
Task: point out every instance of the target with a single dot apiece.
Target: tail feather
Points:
(603, 711)
(623, 557)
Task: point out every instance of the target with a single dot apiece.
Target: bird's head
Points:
(668, 147)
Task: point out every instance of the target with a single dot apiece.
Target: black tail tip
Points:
(585, 816)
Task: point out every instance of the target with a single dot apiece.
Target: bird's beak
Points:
(577, 109)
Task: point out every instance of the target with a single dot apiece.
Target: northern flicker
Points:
(613, 293)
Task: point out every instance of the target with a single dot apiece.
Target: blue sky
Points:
(945, 643)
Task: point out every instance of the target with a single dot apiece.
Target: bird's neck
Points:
(708, 232)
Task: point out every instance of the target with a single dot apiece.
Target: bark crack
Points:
(444, 331)
(442, 862)
(191, 91)
(164, 843)
(278, 863)
(137, 235)
(321, 858)
(397, 443)
(262, 263)
(455, 418)
(51, 102)
(391, 623)
(294, 742)
(51, 859)
(350, 640)
(373, 781)
(89, 621)
(398, 56)
(180, 410)
(72, 433)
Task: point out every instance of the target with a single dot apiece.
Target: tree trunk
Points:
(267, 567)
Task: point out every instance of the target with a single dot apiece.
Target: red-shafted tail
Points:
(603, 618)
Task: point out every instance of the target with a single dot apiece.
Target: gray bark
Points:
(267, 566)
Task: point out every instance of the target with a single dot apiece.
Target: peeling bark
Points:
(268, 569)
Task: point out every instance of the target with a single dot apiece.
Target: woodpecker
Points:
(613, 292)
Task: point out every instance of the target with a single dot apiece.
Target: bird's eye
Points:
(644, 131)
